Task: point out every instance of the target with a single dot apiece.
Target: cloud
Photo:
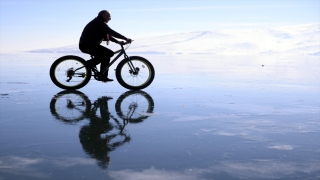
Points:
(254, 169)
(281, 147)
(22, 166)
(242, 169)
(75, 161)
(29, 167)
(152, 173)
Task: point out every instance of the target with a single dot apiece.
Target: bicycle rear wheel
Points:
(70, 72)
(141, 78)
(70, 106)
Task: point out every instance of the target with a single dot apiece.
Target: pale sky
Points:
(39, 24)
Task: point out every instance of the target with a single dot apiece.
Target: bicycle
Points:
(71, 72)
(73, 106)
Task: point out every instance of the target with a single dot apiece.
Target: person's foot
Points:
(104, 79)
(107, 80)
(106, 98)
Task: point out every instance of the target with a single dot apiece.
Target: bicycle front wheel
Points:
(70, 72)
(135, 74)
(134, 106)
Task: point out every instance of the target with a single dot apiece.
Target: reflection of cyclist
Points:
(101, 136)
(93, 143)
(93, 34)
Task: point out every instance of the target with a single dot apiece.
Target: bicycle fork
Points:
(133, 70)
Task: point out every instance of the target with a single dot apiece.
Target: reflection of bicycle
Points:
(73, 106)
(70, 72)
(101, 136)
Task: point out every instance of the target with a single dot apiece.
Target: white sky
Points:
(38, 24)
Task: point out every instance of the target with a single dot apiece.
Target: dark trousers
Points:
(101, 54)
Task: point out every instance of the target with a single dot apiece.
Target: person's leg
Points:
(102, 54)
(89, 49)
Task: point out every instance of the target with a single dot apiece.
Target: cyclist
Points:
(92, 35)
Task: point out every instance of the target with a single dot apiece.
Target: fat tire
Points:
(69, 120)
(131, 87)
(121, 112)
(65, 58)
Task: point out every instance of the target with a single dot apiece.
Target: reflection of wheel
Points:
(69, 72)
(141, 78)
(134, 106)
(70, 106)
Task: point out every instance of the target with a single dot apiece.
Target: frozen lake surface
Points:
(203, 117)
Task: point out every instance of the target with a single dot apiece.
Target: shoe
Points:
(104, 79)
(106, 98)
(107, 80)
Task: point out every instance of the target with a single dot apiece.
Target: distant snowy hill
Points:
(304, 39)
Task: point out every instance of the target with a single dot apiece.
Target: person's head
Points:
(105, 15)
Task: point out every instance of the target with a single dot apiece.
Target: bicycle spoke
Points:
(136, 79)
(134, 106)
(74, 78)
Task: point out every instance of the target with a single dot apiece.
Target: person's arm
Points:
(114, 40)
(115, 34)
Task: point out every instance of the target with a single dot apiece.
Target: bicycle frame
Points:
(121, 52)
(120, 127)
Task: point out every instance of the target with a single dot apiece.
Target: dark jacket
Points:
(96, 31)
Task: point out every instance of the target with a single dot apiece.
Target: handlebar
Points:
(124, 43)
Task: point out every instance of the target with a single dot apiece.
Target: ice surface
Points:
(213, 117)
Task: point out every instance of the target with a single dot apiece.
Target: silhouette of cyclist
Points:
(92, 35)
(100, 136)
